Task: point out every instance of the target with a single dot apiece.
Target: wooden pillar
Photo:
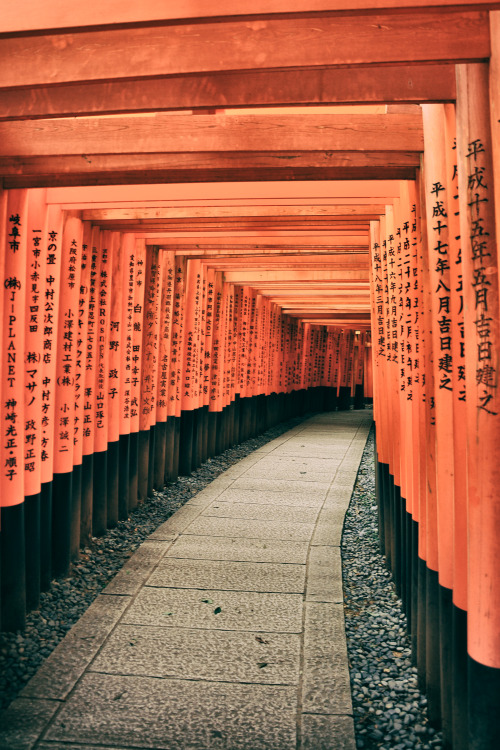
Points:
(477, 192)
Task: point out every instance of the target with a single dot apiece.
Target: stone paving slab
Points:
(265, 484)
(327, 732)
(215, 656)
(260, 512)
(326, 685)
(276, 498)
(58, 674)
(251, 529)
(24, 721)
(224, 622)
(159, 714)
(216, 610)
(239, 550)
(229, 576)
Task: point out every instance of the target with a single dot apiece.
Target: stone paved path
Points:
(225, 629)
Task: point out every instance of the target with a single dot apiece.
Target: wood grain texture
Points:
(28, 15)
(415, 83)
(212, 133)
(280, 43)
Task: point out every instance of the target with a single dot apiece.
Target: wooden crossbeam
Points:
(93, 169)
(424, 83)
(226, 214)
(31, 15)
(277, 43)
(220, 194)
(164, 133)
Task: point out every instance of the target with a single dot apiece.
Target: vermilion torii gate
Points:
(211, 219)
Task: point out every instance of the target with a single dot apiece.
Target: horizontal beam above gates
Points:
(216, 193)
(415, 83)
(31, 15)
(233, 213)
(253, 278)
(323, 40)
(163, 133)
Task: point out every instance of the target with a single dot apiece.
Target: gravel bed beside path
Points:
(389, 709)
(22, 653)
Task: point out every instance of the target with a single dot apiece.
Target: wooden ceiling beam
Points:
(220, 194)
(31, 15)
(254, 276)
(25, 170)
(417, 83)
(324, 40)
(264, 228)
(200, 214)
(195, 135)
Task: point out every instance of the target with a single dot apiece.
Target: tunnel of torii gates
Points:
(212, 222)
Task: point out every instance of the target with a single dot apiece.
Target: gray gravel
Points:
(22, 653)
(389, 709)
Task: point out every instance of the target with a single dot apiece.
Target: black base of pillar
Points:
(177, 446)
(151, 461)
(160, 457)
(112, 479)
(459, 678)
(344, 398)
(483, 692)
(421, 624)
(142, 465)
(62, 492)
(212, 434)
(414, 591)
(12, 569)
(186, 443)
(359, 397)
(87, 499)
(445, 648)
(76, 511)
(169, 449)
(432, 649)
(32, 549)
(133, 470)
(45, 536)
(123, 476)
(197, 438)
(100, 494)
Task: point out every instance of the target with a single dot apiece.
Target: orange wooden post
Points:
(409, 350)
(164, 432)
(36, 574)
(12, 388)
(477, 193)
(84, 398)
(100, 394)
(136, 365)
(66, 498)
(429, 526)
(189, 400)
(458, 671)
(439, 203)
(51, 249)
(424, 393)
(202, 384)
(127, 470)
(377, 279)
(177, 351)
(148, 369)
(207, 362)
(115, 361)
